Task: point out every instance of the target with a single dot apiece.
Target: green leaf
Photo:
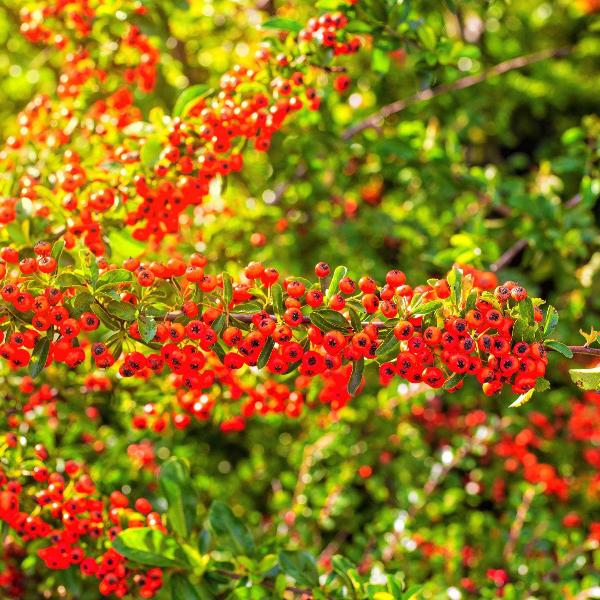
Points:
(150, 152)
(428, 307)
(358, 366)
(122, 245)
(57, 249)
(526, 311)
(247, 308)
(455, 282)
(427, 36)
(412, 591)
(204, 541)
(123, 310)
(265, 354)
(65, 280)
(454, 380)
(107, 319)
(113, 278)
(147, 327)
(389, 344)
(355, 320)
(227, 288)
(586, 379)
(189, 96)
(345, 570)
(523, 399)
(229, 529)
(338, 274)
(551, 321)
(177, 488)
(283, 24)
(380, 60)
(39, 356)
(334, 317)
(541, 384)
(300, 566)
(182, 589)
(559, 347)
(277, 293)
(149, 547)
(94, 271)
(357, 26)
(471, 300)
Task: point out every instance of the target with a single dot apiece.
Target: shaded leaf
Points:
(227, 527)
(300, 566)
(176, 486)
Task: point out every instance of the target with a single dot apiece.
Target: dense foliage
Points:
(300, 299)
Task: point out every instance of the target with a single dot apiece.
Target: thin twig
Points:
(517, 525)
(519, 62)
(509, 255)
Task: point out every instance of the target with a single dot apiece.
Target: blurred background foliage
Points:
(463, 177)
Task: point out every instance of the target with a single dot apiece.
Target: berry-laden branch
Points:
(438, 333)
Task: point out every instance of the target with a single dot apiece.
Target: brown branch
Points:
(509, 255)
(521, 244)
(460, 84)
(584, 350)
(517, 526)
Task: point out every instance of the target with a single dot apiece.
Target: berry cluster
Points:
(66, 25)
(65, 511)
(436, 334)
(169, 167)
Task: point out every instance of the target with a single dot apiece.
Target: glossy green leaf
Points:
(176, 486)
(230, 532)
(151, 547)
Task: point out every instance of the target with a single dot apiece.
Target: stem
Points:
(517, 526)
(519, 62)
(509, 255)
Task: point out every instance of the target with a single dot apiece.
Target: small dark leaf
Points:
(338, 274)
(147, 327)
(265, 354)
(551, 321)
(227, 288)
(123, 310)
(559, 347)
(454, 381)
(428, 307)
(229, 530)
(277, 293)
(358, 367)
(176, 486)
(182, 589)
(526, 311)
(39, 356)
